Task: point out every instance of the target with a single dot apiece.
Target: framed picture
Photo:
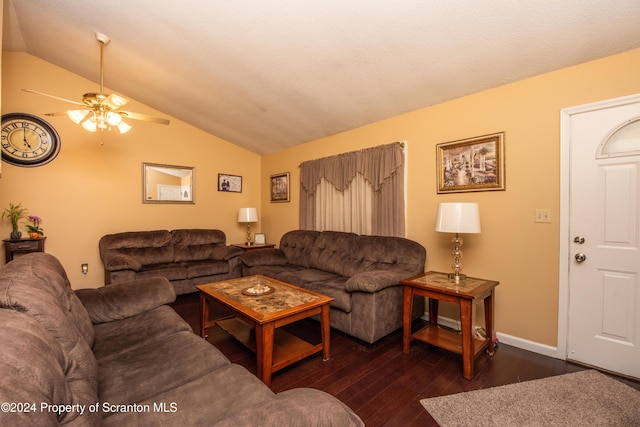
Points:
(259, 238)
(230, 183)
(474, 164)
(280, 187)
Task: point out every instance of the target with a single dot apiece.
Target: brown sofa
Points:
(186, 257)
(117, 355)
(361, 273)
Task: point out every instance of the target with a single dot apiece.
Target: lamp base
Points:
(457, 278)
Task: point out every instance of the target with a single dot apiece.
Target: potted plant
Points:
(34, 230)
(15, 213)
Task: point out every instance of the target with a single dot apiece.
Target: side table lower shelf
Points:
(447, 339)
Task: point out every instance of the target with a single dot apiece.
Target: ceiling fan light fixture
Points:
(123, 127)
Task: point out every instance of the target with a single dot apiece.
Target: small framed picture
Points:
(280, 187)
(230, 183)
(260, 238)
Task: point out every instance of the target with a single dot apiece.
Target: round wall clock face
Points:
(28, 140)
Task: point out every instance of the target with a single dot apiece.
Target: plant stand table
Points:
(437, 287)
(13, 246)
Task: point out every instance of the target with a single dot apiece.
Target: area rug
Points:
(585, 398)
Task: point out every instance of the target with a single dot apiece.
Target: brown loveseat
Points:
(117, 355)
(187, 257)
(360, 272)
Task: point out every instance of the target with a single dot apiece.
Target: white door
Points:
(604, 247)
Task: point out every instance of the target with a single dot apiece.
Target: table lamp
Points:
(458, 218)
(248, 215)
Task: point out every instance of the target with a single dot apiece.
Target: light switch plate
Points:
(543, 215)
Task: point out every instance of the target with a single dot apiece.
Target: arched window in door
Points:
(622, 141)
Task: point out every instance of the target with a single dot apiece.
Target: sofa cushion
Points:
(204, 401)
(126, 299)
(391, 254)
(297, 246)
(123, 335)
(170, 270)
(335, 289)
(36, 372)
(336, 252)
(373, 281)
(36, 285)
(144, 371)
(206, 268)
(197, 244)
(147, 247)
(315, 407)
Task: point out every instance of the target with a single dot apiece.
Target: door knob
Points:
(580, 257)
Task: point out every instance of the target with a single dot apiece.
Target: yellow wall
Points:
(91, 189)
(521, 254)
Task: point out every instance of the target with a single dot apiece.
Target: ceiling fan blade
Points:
(144, 117)
(54, 97)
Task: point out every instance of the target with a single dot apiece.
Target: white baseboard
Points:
(545, 350)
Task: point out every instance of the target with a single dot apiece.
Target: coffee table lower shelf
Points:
(446, 339)
(287, 348)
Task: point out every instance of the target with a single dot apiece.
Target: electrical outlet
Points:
(543, 215)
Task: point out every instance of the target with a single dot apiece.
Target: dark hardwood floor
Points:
(380, 383)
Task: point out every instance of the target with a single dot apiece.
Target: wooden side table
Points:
(12, 246)
(254, 246)
(437, 287)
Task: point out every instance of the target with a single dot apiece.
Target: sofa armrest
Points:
(269, 256)
(226, 252)
(373, 281)
(300, 407)
(126, 299)
(121, 262)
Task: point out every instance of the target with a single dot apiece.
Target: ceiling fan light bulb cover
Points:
(123, 127)
(114, 119)
(89, 125)
(76, 116)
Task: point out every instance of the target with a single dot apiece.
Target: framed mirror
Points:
(168, 184)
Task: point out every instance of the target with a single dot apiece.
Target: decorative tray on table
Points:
(258, 290)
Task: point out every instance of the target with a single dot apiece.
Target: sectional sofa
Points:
(118, 355)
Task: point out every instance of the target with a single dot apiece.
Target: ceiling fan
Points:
(99, 110)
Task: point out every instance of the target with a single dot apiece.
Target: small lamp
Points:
(458, 218)
(248, 215)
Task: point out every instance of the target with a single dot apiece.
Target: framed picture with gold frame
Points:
(473, 164)
(280, 187)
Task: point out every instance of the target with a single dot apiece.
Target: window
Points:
(360, 192)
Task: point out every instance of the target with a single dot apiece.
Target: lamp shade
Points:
(248, 215)
(458, 218)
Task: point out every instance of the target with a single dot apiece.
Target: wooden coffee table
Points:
(258, 316)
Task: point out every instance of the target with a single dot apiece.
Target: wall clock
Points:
(28, 140)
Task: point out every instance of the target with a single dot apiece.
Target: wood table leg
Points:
(466, 325)
(264, 351)
(204, 315)
(406, 318)
(488, 323)
(325, 325)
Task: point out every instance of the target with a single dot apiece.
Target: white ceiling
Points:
(267, 75)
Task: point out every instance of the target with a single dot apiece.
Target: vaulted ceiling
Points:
(267, 75)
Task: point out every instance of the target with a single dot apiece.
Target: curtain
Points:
(382, 168)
